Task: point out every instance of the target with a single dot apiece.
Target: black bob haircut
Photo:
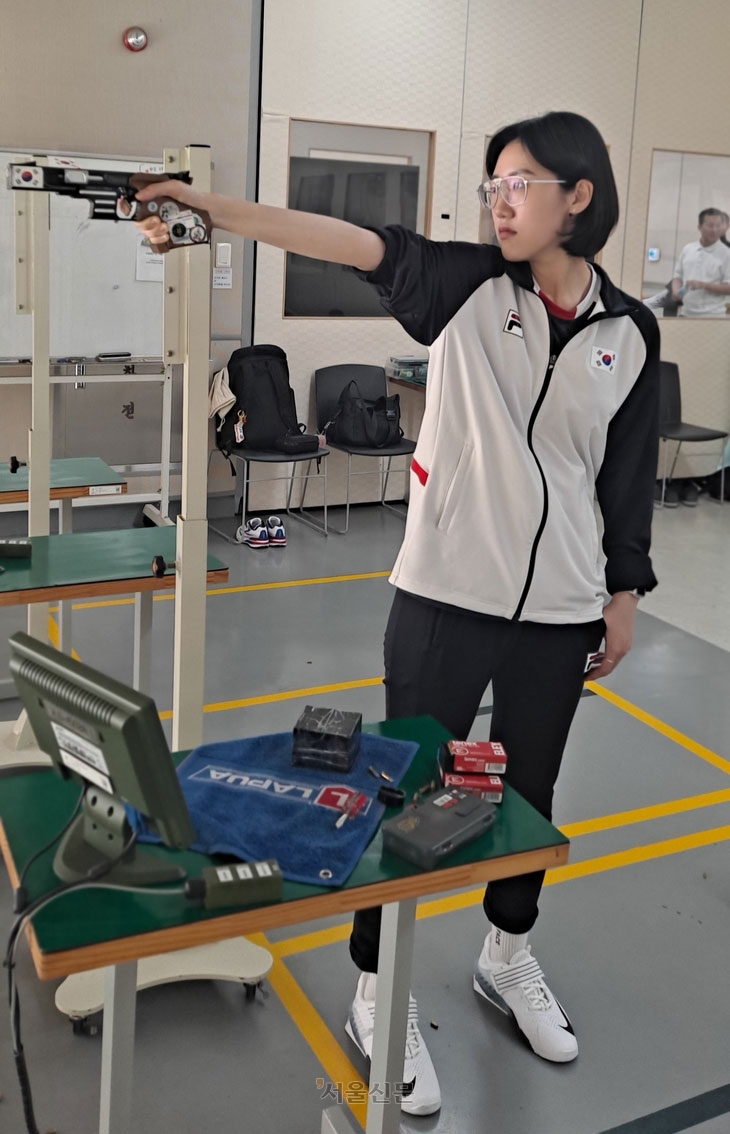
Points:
(570, 147)
(709, 213)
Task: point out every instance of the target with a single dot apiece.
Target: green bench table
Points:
(104, 928)
(96, 565)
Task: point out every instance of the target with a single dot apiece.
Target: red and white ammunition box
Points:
(478, 756)
(489, 786)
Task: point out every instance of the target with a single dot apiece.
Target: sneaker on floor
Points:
(671, 496)
(254, 533)
(419, 1090)
(519, 990)
(276, 530)
(688, 494)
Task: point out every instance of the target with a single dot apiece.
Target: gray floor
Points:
(632, 935)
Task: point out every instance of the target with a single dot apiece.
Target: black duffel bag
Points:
(362, 423)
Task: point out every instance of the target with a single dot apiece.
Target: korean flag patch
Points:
(604, 359)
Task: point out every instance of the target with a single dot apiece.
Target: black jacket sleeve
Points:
(625, 484)
(422, 283)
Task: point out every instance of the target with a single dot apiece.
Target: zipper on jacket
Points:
(554, 354)
(543, 520)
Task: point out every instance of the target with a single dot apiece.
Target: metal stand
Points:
(186, 342)
(243, 483)
(391, 1014)
(32, 296)
(117, 1048)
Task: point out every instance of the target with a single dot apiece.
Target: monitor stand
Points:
(99, 835)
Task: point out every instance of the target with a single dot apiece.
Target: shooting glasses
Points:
(513, 190)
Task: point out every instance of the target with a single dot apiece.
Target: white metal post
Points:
(32, 297)
(35, 207)
(187, 340)
(117, 1049)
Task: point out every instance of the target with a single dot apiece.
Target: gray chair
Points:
(242, 459)
(329, 382)
(672, 428)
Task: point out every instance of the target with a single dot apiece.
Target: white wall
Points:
(682, 96)
(68, 83)
(371, 63)
(650, 74)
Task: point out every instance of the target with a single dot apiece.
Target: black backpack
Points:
(265, 411)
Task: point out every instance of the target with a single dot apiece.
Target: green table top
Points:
(34, 804)
(66, 472)
(87, 559)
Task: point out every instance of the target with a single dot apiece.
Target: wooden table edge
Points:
(104, 587)
(72, 491)
(64, 962)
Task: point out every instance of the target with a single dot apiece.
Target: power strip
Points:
(242, 884)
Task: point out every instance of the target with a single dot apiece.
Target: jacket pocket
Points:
(455, 489)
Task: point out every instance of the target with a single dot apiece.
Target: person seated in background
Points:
(702, 272)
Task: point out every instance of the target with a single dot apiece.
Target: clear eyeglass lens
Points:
(513, 190)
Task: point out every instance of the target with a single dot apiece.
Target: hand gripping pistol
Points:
(111, 196)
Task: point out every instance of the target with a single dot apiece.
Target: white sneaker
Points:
(520, 991)
(254, 533)
(419, 1092)
(276, 531)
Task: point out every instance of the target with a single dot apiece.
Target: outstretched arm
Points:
(309, 234)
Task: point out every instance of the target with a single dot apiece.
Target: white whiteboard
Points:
(97, 303)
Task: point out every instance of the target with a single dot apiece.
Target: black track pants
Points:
(440, 661)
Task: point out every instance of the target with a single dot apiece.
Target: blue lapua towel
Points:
(246, 799)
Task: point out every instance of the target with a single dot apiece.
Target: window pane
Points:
(362, 192)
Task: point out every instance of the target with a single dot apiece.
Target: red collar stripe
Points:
(558, 312)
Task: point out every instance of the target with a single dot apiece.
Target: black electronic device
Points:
(238, 884)
(16, 549)
(109, 737)
(427, 832)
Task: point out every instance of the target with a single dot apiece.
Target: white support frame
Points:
(186, 342)
(32, 297)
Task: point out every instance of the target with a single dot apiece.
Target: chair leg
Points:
(300, 512)
(722, 481)
(343, 531)
(240, 495)
(246, 488)
(664, 470)
(674, 462)
(384, 488)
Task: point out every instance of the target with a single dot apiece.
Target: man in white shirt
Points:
(702, 272)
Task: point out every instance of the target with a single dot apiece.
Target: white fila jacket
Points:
(519, 435)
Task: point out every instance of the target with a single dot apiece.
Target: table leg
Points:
(117, 1049)
(65, 523)
(142, 674)
(391, 1014)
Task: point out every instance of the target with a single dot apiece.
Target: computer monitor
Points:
(109, 737)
